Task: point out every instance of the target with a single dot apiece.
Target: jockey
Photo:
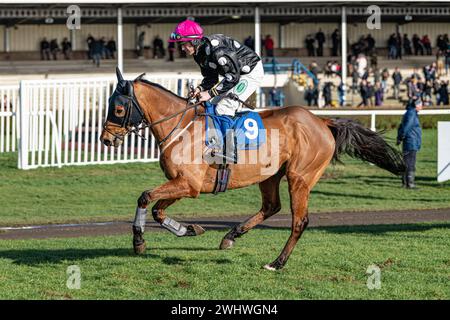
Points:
(217, 54)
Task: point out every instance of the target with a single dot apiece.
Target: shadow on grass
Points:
(380, 229)
(33, 257)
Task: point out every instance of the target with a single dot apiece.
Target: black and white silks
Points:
(217, 55)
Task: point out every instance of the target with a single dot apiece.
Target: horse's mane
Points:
(157, 85)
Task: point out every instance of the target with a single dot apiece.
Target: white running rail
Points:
(61, 122)
(9, 102)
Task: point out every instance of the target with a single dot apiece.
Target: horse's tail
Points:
(360, 142)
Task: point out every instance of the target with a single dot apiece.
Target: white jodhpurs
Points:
(248, 83)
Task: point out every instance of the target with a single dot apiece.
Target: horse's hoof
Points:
(269, 267)
(139, 248)
(226, 244)
(274, 266)
(194, 230)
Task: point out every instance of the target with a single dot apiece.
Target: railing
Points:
(61, 122)
(374, 113)
(9, 101)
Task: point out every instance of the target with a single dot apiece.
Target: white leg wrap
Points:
(139, 219)
(175, 227)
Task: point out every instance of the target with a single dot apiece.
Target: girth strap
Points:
(223, 176)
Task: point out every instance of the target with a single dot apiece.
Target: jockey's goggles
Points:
(178, 37)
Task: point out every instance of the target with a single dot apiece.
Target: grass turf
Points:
(109, 192)
(328, 263)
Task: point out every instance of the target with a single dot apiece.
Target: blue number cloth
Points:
(248, 129)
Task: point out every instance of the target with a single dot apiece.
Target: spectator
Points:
(378, 93)
(440, 63)
(250, 42)
(392, 46)
(309, 41)
(370, 44)
(364, 92)
(440, 43)
(90, 42)
(140, 45)
(111, 45)
(443, 93)
(407, 45)
(54, 49)
(45, 49)
(158, 48)
(268, 46)
(427, 45)
(397, 79)
(97, 50)
(355, 78)
(429, 72)
(384, 79)
(426, 94)
(341, 93)
(66, 48)
(361, 64)
(335, 38)
(105, 53)
(311, 95)
(370, 93)
(417, 45)
(320, 37)
(314, 68)
(327, 92)
(410, 134)
(398, 49)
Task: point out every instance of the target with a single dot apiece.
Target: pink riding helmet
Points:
(185, 31)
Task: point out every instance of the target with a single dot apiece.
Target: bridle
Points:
(134, 121)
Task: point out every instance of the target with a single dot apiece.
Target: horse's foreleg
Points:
(299, 192)
(271, 204)
(165, 195)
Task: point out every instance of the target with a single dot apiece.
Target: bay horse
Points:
(306, 146)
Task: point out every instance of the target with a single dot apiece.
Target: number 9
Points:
(251, 129)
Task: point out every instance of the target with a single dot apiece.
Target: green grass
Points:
(328, 263)
(109, 192)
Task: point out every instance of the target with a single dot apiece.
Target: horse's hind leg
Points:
(270, 205)
(299, 192)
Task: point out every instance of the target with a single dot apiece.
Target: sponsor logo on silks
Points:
(241, 86)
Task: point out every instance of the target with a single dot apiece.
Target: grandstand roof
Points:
(144, 12)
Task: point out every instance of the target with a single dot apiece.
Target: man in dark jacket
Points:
(397, 78)
(410, 134)
(320, 37)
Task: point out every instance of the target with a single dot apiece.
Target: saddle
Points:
(226, 135)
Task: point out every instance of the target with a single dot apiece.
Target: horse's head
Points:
(124, 113)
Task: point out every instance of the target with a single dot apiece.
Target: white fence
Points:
(61, 122)
(374, 113)
(9, 103)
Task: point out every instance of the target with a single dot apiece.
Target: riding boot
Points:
(230, 154)
(410, 184)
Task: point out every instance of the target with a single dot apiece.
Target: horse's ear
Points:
(119, 75)
(139, 77)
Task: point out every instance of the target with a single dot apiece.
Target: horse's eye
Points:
(119, 111)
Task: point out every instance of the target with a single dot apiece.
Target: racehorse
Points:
(306, 146)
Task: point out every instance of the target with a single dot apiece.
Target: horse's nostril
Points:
(107, 143)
